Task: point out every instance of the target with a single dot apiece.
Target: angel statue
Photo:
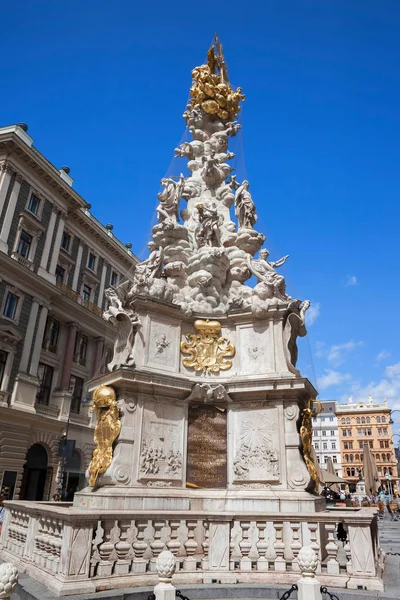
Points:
(148, 269)
(245, 209)
(169, 199)
(121, 313)
(208, 228)
(265, 272)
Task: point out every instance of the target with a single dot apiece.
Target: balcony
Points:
(79, 299)
(47, 410)
(22, 260)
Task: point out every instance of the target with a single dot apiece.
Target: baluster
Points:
(49, 544)
(106, 551)
(332, 550)
(189, 562)
(122, 549)
(279, 547)
(95, 557)
(295, 546)
(232, 547)
(157, 545)
(262, 546)
(174, 544)
(349, 564)
(313, 527)
(139, 548)
(206, 546)
(245, 546)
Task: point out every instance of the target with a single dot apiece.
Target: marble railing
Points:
(64, 546)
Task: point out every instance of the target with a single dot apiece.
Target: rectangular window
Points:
(45, 376)
(76, 388)
(386, 444)
(349, 432)
(381, 444)
(371, 443)
(53, 335)
(60, 274)
(10, 306)
(324, 446)
(3, 362)
(66, 241)
(334, 458)
(346, 445)
(333, 446)
(114, 278)
(331, 418)
(91, 261)
(325, 459)
(80, 350)
(379, 430)
(344, 433)
(24, 244)
(385, 431)
(33, 204)
(359, 432)
(350, 445)
(332, 433)
(360, 444)
(316, 446)
(86, 292)
(324, 433)
(322, 419)
(369, 431)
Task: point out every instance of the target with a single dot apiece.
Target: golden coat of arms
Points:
(208, 351)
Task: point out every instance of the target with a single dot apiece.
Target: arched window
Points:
(348, 421)
(368, 420)
(383, 457)
(378, 419)
(383, 419)
(348, 473)
(346, 457)
(390, 471)
(384, 470)
(358, 420)
(388, 458)
(351, 457)
(378, 457)
(353, 472)
(343, 421)
(361, 457)
(362, 420)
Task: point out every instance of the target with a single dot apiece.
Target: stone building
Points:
(56, 260)
(326, 436)
(361, 424)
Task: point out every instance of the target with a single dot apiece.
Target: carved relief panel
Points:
(161, 450)
(256, 444)
(163, 345)
(256, 349)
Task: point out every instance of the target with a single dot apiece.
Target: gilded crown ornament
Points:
(208, 351)
(106, 431)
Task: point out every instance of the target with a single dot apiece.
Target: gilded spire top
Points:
(211, 89)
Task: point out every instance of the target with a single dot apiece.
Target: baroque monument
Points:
(204, 422)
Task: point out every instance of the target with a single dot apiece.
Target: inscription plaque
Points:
(207, 447)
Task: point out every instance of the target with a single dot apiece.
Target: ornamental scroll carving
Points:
(107, 430)
(208, 351)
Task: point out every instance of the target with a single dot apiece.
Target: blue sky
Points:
(103, 85)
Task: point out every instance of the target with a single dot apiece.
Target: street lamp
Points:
(391, 412)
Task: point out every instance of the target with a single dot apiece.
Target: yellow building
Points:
(366, 423)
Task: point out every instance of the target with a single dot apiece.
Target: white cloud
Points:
(332, 378)
(383, 354)
(338, 353)
(350, 281)
(387, 387)
(313, 313)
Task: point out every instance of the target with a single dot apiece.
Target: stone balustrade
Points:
(70, 549)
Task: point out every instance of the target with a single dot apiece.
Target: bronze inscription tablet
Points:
(207, 445)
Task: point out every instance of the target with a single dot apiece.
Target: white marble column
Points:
(77, 268)
(57, 244)
(6, 171)
(47, 245)
(102, 285)
(26, 350)
(10, 210)
(37, 348)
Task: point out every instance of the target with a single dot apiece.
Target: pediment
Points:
(9, 335)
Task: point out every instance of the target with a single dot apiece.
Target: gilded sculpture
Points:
(211, 89)
(306, 437)
(106, 431)
(208, 351)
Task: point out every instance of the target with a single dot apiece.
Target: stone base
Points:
(164, 498)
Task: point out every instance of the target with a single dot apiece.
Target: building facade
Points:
(326, 437)
(56, 260)
(365, 423)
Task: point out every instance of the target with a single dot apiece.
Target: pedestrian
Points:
(2, 512)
